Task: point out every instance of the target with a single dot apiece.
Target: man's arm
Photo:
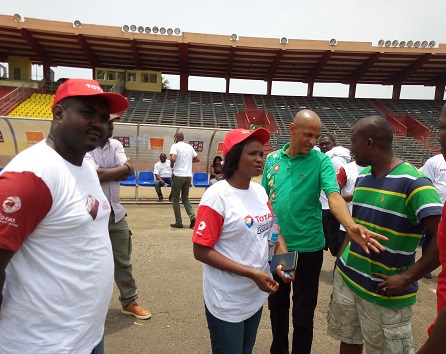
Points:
(115, 173)
(196, 159)
(173, 159)
(428, 262)
(361, 235)
(5, 257)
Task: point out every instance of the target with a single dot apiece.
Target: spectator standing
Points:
(112, 166)
(163, 175)
(436, 341)
(435, 170)
(294, 176)
(56, 262)
(373, 294)
(216, 170)
(346, 177)
(231, 239)
(340, 156)
(182, 156)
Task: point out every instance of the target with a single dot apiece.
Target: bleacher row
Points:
(218, 110)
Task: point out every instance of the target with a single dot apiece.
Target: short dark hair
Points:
(232, 159)
(329, 136)
(215, 159)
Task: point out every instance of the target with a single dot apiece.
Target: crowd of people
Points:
(63, 225)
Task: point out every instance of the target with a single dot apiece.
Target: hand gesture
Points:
(287, 277)
(366, 239)
(392, 284)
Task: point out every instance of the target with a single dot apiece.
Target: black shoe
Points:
(170, 199)
(178, 226)
(192, 223)
(428, 276)
(160, 199)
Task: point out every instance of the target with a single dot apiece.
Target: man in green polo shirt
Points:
(293, 178)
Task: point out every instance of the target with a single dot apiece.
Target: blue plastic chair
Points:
(200, 180)
(129, 182)
(146, 179)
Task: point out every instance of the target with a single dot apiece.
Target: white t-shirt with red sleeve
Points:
(235, 223)
(54, 216)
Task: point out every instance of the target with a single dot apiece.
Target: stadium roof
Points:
(53, 43)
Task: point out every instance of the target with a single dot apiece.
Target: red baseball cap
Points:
(117, 103)
(238, 135)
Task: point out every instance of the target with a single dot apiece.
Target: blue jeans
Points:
(233, 338)
(99, 349)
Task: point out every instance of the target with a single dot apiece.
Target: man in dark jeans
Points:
(294, 176)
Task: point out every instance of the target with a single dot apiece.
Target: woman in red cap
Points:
(230, 238)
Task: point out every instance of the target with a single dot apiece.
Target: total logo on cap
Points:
(117, 103)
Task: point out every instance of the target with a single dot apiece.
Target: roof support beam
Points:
(272, 70)
(230, 63)
(409, 70)
(354, 77)
(40, 52)
(439, 92)
(183, 56)
(87, 50)
(318, 68)
(136, 55)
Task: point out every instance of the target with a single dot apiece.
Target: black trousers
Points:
(331, 231)
(305, 292)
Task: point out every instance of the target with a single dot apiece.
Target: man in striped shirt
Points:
(373, 293)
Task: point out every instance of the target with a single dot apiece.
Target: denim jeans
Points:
(305, 292)
(99, 349)
(233, 338)
(121, 240)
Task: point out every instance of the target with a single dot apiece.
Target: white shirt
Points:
(236, 224)
(60, 280)
(340, 156)
(346, 176)
(162, 169)
(435, 170)
(111, 155)
(184, 155)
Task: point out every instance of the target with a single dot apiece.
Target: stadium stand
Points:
(38, 105)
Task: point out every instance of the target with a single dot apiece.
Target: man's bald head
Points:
(179, 136)
(304, 116)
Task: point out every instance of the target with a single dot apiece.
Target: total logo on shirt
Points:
(249, 221)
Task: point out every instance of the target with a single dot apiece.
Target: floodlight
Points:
(395, 43)
(17, 18)
(125, 28)
(381, 42)
(402, 44)
(424, 44)
(148, 30)
(77, 24)
(169, 31)
(162, 30)
(417, 44)
(133, 28)
(155, 29)
(140, 29)
(410, 44)
(177, 31)
(432, 44)
(333, 41)
(388, 43)
(283, 40)
(233, 37)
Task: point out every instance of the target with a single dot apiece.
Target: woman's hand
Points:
(265, 282)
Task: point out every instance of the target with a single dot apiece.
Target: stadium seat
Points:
(200, 180)
(146, 179)
(129, 182)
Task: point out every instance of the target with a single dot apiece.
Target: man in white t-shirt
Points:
(163, 175)
(435, 169)
(182, 156)
(339, 156)
(56, 261)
